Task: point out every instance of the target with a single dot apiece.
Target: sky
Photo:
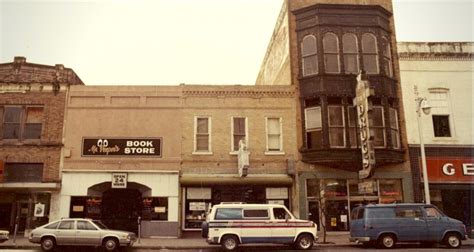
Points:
(138, 42)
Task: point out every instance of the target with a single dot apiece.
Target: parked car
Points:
(386, 224)
(80, 232)
(234, 224)
(3, 236)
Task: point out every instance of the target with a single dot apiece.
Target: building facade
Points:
(443, 74)
(320, 46)
(32, 105)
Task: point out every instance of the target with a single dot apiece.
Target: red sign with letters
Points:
(450, 170)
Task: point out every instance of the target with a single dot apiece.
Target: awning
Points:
(234, 179)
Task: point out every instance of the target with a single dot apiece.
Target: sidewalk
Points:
(194, 241)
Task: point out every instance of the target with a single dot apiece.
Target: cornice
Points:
(239, 93)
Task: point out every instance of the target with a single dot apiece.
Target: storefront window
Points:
(390, 191)
(312, 188)
(334, 188)
(155, 208)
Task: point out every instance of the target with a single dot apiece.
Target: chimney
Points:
(19, 60)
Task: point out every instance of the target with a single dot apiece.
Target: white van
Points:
(233, 224)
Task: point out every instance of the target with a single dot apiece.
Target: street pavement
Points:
(193, 242)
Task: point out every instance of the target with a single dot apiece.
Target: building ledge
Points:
(31, 185)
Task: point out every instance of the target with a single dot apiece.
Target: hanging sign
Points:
(119, 180)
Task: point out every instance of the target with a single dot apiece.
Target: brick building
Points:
(32, 102)
(443, 74)
(319, 47)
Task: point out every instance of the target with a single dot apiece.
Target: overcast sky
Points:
(181, 41)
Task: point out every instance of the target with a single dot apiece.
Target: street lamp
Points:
(423, 105)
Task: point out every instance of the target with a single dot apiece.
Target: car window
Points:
(53, 225)
(408, 212)
(228, 214)
(280, 213)
(357, 213)
(85, 225)
(66, 225)
(380, 213)
(432, 212)
(256, 213)
(100, 224)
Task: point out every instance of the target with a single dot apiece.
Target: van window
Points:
(357, 214)
(432, 212)
(408, 212)
(256, 213)
(229, 214)
(281, 214)
(380, 213)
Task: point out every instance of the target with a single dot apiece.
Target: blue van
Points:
(386, 224)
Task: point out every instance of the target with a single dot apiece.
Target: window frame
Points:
(343, 126)
(209, 134)
(232, 135)
(327, 53)
(22, 123)
(441, 107)
(394, 129)
(349, 53)
(370, 54)
(315, 129)
(387, 56)
(280, 136)
(383, 127)
(309, 55)
(354, 127)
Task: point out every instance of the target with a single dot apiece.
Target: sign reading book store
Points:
(141, 147)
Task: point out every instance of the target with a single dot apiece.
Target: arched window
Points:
(331, 53)
(309, 53)
(351, 54)
(369, 52)
(387, 57)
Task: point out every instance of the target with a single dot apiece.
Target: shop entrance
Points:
(5, 216)
(121, 208)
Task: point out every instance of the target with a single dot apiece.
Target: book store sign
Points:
(149, 147)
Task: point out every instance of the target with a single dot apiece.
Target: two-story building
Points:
(319, 47)
(32, 107)
(443, 75)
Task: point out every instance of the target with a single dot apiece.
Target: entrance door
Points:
(313, 212)
(5, 216)
(121, 208)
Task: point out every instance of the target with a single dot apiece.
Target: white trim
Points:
(111, 171)
(31, 185)
(209, 131)
(274, 152)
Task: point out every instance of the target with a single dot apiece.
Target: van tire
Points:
(452, 240)
(304, 242)
(387, 241)
(229, 242)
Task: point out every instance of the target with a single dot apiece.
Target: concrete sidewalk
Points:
(193, 241)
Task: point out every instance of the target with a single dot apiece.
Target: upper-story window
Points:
(309, 53)
(21, 122)
(394, 131)
(387, 57)
(351, 53)
(274, 139)
(354, 138)
(313, 127)
(378, 126)
(369, 53)
(239, 132)
(336, 126)
(331, 53)
(23, 172)
(202, 136)
(440, 111)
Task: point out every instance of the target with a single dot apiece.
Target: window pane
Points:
(369, 43)
(202, 125)
(379, 137)
(349, 43)
(313, 118)
(280, 214)
(308, 46)
(354, 137)
(11, 131)
(274, 143)
(312, 187)
(395, 139)
(310, 65)
(273, 125)
(370, 64)
(239, 126)
(34, 115)
(202, 143)
(314, 139)
(408, 212)
(32, 131)
(387, 67)
(393, 119)
(66, 225)
(12, 114)
(237, 139)
(331, 63)
(228, 214)
(441, 126)
(336, 137)
(23, 172)
(351, 63)
(256, 213)
(390, 191)
(330, 44)
(336, 117)
(377, 117)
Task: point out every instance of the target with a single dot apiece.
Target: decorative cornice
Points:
(247, 92)
(436, 56)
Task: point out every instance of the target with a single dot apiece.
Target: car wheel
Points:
(229, 242)
(387, 241)
(304, 242)
(452, 240)
(110, 244)
(48, 244)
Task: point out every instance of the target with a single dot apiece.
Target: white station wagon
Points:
(234, 224)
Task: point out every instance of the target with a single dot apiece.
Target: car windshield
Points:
(100, 224)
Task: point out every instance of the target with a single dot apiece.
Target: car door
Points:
(284, 226)
(436, 223)
(410, 223)
(87, 233)
(66, 233)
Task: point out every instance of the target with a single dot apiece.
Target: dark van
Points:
(386, 224)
